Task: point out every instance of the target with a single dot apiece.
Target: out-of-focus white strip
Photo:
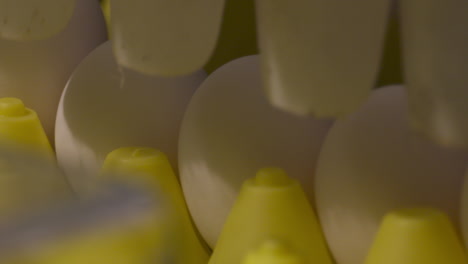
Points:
(435, 50)
(25, 20)
(320, 56)
(165, 37)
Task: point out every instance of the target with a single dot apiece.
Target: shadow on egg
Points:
(105, 107)
(37, 71)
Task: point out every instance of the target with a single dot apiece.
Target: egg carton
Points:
(143, 219)
(378, 174)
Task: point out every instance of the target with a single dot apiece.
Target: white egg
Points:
(37, 71)
(371, 163)
(105, 107)
(229, 132)
(464, 211)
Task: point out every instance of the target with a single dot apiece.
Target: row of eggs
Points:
(219, 130)
(354, 170)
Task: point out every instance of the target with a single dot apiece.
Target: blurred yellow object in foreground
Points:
(29, 183)
(121, 225)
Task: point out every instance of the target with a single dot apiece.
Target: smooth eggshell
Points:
(37, 71)
(105, 107)
(229, 132)
(371, 163)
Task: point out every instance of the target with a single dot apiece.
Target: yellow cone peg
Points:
(271, 205)
(20, 128)
(273, 251)
(416, 236)
(153, 168)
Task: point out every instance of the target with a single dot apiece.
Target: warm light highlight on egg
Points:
(229, 132)
(105, 107)
(371, 163)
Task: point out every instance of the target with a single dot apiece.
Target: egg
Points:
(372, 163)
(230, 131)
(105, 107)
(36, 71)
